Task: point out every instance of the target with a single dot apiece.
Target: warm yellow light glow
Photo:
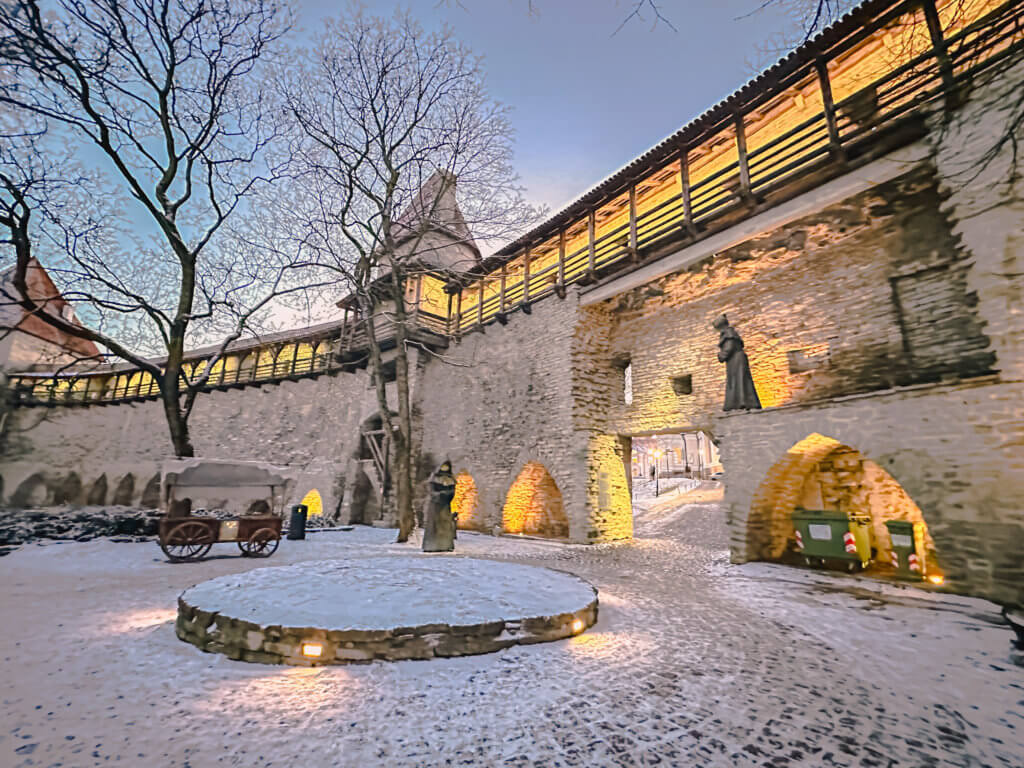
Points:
(577, 626)
(312, 650)
(314, 504)
(936, 579)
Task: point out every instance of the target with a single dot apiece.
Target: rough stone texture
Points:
(891, 322)
(693, 662)
(208, 613)
(310, 425)
(948, 446)
(21, 526)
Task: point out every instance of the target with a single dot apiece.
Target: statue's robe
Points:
(740, 393)
(438, 523)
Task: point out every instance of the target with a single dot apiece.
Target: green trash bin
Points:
(830, 536)
(908, 553)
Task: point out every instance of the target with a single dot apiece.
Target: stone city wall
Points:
(888, 323)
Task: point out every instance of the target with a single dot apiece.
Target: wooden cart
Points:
(186, 539)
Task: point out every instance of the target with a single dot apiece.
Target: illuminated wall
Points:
(534, 505)
(466, 503)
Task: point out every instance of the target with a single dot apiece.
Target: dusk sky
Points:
(586, 101)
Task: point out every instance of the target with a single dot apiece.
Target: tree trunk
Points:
(170, 395)
(403, 440)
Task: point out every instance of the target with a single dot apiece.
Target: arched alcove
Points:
(125, 491)
(151, 493)
(534, 505)
(314, 503)
(98, 492)
(466, 503)
(31, 492)
(820, 472)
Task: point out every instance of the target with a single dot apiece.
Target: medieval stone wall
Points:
(955, 449)
(861, 296)
(310, 426)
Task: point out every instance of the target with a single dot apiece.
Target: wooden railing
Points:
(280, 360)
(841, 108)
(838, 110)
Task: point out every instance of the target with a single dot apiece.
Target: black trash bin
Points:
(297, 525)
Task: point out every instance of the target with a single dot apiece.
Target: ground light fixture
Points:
(577, 626)
(936, 579)
(312, 650)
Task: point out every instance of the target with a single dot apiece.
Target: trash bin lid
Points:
(900, 526)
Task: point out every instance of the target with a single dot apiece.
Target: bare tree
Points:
(167, 99)
(389, 119)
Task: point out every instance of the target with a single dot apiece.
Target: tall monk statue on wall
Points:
(740, 393)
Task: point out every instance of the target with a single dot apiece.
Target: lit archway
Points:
(314, 504)
(820, 472)
(466, 503)
(534, 505)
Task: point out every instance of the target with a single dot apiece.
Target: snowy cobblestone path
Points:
(693, 663)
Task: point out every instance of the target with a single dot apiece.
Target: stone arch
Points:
(534, 504)
(151, 494)
(98, 492)
(124, 491)
(69, 491)
(31, 492)
(466, 503)
(314, 503)
(820, 472)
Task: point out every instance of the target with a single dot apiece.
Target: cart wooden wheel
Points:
(262, 543)
(190, 540)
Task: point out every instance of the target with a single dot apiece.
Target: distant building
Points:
(27, 341)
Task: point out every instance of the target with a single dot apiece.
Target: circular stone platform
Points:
(397, 607)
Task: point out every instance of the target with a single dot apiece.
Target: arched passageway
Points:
(466, 503)
(314, 503)
(821, 473)
(534, 505)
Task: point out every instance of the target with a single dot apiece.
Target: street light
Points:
(657, 453)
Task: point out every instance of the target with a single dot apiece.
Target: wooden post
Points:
(448, 317)
(480, 304)
(560, 282)
(633, 254)
(458, 314)
(741, 149)
(526, 280)
(85, 392)
(591, 250)
(684, 186)
(835, 146)
(295, 356)
(931, 16)
(501, 288)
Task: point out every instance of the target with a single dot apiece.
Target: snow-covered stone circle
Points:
(387, 607)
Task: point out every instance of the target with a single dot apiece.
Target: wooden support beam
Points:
(560, 282)
(480, 304)
(835, 146)
(741, 151)
(526, 280)
(633, 252)
(591, 248)
(684, 186)
(448, 317)
(502, 315)
(931, 16)
(458, 315)
(295, 356)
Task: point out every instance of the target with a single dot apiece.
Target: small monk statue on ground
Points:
(438, 523)
(740, 393)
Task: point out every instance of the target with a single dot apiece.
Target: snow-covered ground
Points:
(693, 662)
(391, 591)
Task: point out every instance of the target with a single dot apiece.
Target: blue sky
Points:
(586, 101)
